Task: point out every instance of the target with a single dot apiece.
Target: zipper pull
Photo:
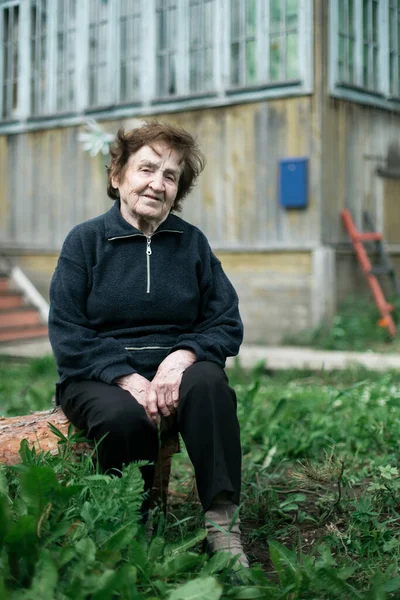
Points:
(148, 249)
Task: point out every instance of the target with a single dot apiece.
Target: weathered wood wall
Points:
(49, 184)
(355, 142)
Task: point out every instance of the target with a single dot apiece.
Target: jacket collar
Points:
(116, 226)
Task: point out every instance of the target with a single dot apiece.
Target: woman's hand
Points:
(139, 388)
(164, 389)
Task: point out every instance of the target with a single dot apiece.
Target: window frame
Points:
(356, 91)
(220, 92)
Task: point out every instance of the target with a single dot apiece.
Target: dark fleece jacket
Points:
(120, 302)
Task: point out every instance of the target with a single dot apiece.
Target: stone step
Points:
(19, 317)
(4, 284)
(10, 299)
(28, 332)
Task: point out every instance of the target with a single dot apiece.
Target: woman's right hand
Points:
(139, 388)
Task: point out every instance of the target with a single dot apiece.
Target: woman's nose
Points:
(157, 182)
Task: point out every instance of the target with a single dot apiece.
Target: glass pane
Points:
(291, 55)
(251, 18)
(194, 70)
(365, 66)
(10, 60)
(235, 53)
(350, 4)
(350, 65)
(195, 25)
(341, 58)
(291, 13)
(375, 21)
(201, 38)
(375, 69)
(397, 91)
(235, 19)
(392, 31)
(275, 59)
(166, 44)
(251, 62)
(172, 76)
(208, 69)
(275, 15)
(161, 30)
(365, 19)
(342, 15)
(161, 65)
(38, 57)
(208, 23)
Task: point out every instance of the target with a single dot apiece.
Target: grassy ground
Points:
(356, 326)
(321, 499)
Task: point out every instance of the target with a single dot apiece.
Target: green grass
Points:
(320, 512)
(355, 327)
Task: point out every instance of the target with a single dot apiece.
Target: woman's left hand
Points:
(165, 386)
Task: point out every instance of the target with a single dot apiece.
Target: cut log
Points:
(35, 429)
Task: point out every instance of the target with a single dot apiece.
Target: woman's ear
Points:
(114, 182)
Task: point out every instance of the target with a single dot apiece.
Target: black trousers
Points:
(206, 420)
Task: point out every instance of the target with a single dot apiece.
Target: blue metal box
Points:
(293, 182)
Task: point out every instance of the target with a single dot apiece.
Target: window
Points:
(69, 58)
(9, 31)
(264, 40)
(364, 50)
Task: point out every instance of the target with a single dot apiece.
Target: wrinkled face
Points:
(149, 186)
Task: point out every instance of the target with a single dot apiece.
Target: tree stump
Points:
(35, 429)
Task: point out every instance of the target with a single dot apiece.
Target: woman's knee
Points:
(203, 374)
(123, 421)
(205, 385)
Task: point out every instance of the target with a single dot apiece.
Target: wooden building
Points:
(258, 81)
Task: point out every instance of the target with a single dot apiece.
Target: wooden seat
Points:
(35, 429)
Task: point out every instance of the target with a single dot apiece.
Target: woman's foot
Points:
(228, 540)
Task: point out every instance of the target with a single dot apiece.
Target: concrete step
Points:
(4, 283)
(19, 317)
(10, 299)
(28, 332)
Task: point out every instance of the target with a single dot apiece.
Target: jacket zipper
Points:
(148, 248)
(148, 254)
(148, 348)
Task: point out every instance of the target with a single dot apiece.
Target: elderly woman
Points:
(142, 319)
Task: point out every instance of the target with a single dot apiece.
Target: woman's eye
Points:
(171, 178)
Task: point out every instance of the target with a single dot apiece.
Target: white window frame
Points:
(220, 91)
(356, 91)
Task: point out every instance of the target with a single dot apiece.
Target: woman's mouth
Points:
(153, 198)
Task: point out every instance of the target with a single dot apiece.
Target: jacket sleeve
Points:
(79, 351)
(218, 332)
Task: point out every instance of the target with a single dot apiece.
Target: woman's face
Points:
(149, 185)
